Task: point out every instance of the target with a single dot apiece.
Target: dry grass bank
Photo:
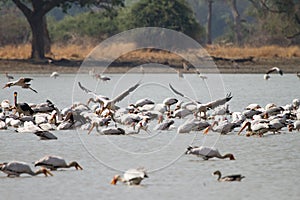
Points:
(257, 52)
(79, 52)
(15, 58)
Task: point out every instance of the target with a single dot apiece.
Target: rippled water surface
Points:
(271, 164)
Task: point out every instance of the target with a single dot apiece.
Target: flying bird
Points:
(273, 69)
(203, 107)
(101, 77)
(110, 103)
(203, 77)
(22, 82)
(54, 75)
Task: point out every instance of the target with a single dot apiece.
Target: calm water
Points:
(270, 164)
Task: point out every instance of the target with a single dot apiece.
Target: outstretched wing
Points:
(218, 102)
(25, 80)
(125, 93)
(180, 94)
(84, 89)
(100, 97)
(273, 69)
(32, 89)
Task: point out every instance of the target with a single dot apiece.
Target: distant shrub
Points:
(14, 29)
(96, 25)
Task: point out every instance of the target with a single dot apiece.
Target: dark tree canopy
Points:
(172, 14)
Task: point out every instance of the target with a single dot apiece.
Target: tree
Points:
(277, 21)
(209, 15)
(236, 21)
(171, 14)
(36, 10)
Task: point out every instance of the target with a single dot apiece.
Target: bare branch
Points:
(26, 11)
(270, 9)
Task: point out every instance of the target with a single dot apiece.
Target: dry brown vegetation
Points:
(14, 58)
(257, 52)
(79, 52)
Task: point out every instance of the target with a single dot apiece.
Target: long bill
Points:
(246, 125)
(90, 130)
(207, 129)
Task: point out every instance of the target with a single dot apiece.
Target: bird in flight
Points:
(109, 103)
(273, 69)
(203, 107)
(22, 82)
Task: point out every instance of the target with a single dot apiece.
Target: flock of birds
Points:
(102, 112)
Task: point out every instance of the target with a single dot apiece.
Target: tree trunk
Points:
(209, 14)
(47, 41)
(37, 44)
(237, 22)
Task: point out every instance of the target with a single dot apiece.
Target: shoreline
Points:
(257, 65)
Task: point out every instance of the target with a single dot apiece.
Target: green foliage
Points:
(263, 22)
(277, 22)
(171, 14)
(14, 27)
(97, 25)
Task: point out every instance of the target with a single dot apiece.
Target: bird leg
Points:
(92, 127)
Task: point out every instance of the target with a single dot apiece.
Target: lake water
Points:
(271, 164)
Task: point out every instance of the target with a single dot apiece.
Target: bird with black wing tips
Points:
(22, 82)
(273, 69)
(110, 103)
(203, 107)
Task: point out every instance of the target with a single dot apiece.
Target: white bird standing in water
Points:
(131, 177)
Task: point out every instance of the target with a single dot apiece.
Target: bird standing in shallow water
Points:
(16, 168)
(9, 77)
(208, 152)
(236, 177)
(55, 162)
(22, 107)
(131, 177)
